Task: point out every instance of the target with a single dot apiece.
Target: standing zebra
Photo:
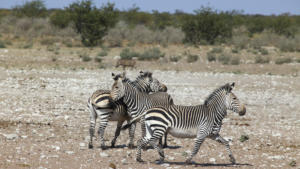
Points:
(191, 121)
(136, 101)
(100, 105)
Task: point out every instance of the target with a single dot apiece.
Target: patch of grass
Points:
(235, 60)
(128, 54)
(151, 54)
(284, 60)
(102, 53)
(263, 51)
(85, 56)
(217, 50)
(262, 60)
(292, 163)
(224, 59)
(2, 44)
(28, 45)
(175, 58)
(211, 56)
(192, 58)
(235, 50)
(244, 138)
(297, 60)
(98, 59)
(184, 154)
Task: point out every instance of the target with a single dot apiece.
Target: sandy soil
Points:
(44, 120)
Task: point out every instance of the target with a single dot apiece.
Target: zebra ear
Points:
(232, 85)
(112, 74)
(123, 75)
(149, 74)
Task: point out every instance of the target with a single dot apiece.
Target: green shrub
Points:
(98, 59)
(208, 25)
(224, 58)
(280, 61)
(297, 60)
(92, 23)
(35, 8)
(175, 58)
(102, 53)
(85, 56)
(235, 60)
(263, 51)
(2, 44)
(60, 18)
(262, 60)
(151, 54)
(192, 58)
(244, 138)
(211, 56)
(128, 54)
(217, 50)
(235, 50)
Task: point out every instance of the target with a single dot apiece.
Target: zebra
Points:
(100, 105)
(199, 122)
(137, 102)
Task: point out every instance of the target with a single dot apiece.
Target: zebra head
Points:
(149, 83)
(233, 102)
(118, 89)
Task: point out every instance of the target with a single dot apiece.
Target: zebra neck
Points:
(140, 86)
(218, 113)
(131, 96)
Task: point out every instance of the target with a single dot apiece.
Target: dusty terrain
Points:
(44, 120)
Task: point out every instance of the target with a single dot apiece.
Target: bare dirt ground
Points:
(44, 120)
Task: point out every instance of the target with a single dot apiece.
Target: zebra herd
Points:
(146, 100)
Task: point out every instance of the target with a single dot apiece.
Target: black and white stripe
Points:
(101, 106)
(198, 122)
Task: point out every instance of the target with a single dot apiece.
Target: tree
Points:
(92, 23)
(35, 8)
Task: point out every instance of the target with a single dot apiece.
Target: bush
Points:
(192, 58)
(60, 18)
(262, 60)
(85, 56)
(2, 44)
(102, 53)
(280, 61)
(263, 51)
(208, 25)
(235, 50)
(211, 56)
(151, 54)
(92, 23)
(288, 44)
(35, 8)
(128, 54)
(175, 58)
(240, 41)
(224, 58)
(235, 60)
(98, 59)
(217, 50)
(244, 138)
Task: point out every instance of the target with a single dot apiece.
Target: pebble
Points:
(102, 154)
(212, 160)
(11, 136)
(165, 165)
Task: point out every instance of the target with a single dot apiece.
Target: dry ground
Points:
(44, 120)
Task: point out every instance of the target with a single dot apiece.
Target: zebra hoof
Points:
(165, 146)
(91, 146)
(139, 160)
(188, 161)
(159, 161)
(232, 160)
(112, 145)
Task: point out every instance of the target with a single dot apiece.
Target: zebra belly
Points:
(183, 133)
(118, 116)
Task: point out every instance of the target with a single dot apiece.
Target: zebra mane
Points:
(226, 87)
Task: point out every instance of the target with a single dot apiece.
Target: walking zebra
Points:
(101, 105)
(136, 101)
(198, 122)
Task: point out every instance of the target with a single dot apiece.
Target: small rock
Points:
(212, 160)
(102, 154)
(82, 144)
(124, 161)
(165, 165)
(11, 136)
(69, 152)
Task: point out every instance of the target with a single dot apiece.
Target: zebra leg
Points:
(131, 136)
(117, 133)
(143, 128)
(165, 143)
(104, 117)
(93, 117)
(157, 134)
(140, 144)
(198, 141)
(221, 140)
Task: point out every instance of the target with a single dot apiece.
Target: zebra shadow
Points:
(168, 147)
(210, 164)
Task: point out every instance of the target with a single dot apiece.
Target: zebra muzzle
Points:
(243, 110)
(164, 88)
